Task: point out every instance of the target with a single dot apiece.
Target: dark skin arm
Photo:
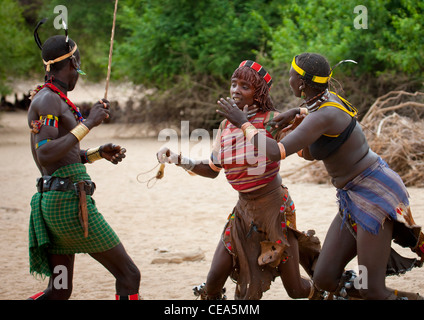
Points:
(46, 103)
(296, 122)
(201, 168)
(348, 161)
(305, 134)
(283, 119)
(34, 154)
(111, 152)
(63, 148)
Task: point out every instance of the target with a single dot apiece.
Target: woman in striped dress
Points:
(260, 240)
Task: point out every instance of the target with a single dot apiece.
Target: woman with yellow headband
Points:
(373, 201)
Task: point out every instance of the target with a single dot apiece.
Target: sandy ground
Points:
(182, 216)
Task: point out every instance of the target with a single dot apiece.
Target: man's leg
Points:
(126, 273)
(60, 283)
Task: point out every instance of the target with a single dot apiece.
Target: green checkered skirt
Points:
(55, 227)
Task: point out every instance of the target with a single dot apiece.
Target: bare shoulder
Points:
(332, 112)
(323, 116)
(334, 119)
(43, 103)
(46, 100)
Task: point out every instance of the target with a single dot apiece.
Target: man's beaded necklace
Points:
(74, 108)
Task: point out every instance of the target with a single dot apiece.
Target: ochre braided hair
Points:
(261, 95)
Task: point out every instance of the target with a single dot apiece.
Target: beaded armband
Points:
(48, 120)
(40, 143)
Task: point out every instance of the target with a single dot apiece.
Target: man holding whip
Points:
(64, 218)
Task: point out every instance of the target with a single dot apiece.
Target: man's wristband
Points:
(93, 154)
(80, 131)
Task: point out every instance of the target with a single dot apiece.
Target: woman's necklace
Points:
(322, 96)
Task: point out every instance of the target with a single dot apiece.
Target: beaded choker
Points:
(324, 97)
(321, 97)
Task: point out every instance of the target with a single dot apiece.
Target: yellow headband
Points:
(309, 76)
(48, 63)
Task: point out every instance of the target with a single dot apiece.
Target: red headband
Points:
(259, 69)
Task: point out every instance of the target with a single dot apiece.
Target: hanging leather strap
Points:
(83, 211)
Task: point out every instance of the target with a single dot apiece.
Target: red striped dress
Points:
(246, 170)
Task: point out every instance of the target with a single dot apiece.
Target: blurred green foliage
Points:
(166, 37)
(16, 49)
(157, 41)
(392, 41)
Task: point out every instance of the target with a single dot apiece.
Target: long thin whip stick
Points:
(111, 49)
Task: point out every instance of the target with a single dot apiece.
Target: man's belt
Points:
(81, 188)
(49, 183)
